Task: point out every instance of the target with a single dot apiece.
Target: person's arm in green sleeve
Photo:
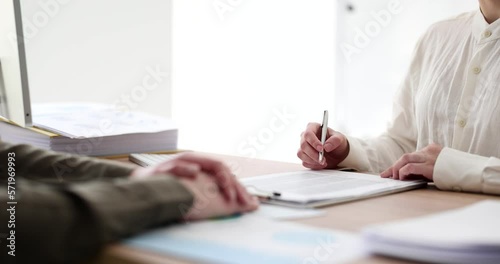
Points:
(49, 166)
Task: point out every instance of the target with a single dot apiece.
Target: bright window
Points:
(249, 75)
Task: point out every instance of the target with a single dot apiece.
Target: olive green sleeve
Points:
(71, 223)
(48, 166)
(67, 217)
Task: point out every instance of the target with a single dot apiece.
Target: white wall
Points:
(247, 81)
(112, 51)
(10, 87)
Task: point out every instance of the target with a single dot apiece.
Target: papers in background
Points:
(316, 188)
(85, 120)
(83, 129)
(146, 160)
(467, 235)
(251, 239)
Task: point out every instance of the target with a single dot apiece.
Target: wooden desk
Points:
(352, 216)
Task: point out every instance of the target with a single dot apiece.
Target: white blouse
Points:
(451, 96)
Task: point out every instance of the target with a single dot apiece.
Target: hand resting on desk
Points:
(216, 190)
(419, 163)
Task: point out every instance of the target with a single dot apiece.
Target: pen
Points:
(324, 130)
(262, 193)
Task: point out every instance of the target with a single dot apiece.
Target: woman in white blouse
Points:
(446, 115)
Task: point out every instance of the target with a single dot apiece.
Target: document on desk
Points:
(319, 188)
(466, 235)
(250, 239)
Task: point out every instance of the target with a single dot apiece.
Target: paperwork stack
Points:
(468, 235)
(93, 130)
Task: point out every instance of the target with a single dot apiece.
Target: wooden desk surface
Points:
(352, 216)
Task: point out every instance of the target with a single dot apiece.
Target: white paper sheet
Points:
(466, 235)
(88, 120)
(286, 213)
(306, 186)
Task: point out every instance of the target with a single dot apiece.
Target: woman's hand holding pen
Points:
(336, 148)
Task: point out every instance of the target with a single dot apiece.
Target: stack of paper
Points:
(93, 129)
(468, 235)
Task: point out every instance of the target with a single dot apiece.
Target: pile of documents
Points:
(467, 235)
(93, 130)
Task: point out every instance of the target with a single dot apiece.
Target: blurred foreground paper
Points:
(251, 239)
(286, 213)
(467, 235)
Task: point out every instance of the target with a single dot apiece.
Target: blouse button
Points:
(462, 123)
(476, 70)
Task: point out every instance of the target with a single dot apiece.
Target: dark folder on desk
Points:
(320, 188)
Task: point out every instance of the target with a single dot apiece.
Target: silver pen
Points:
(324, 130)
